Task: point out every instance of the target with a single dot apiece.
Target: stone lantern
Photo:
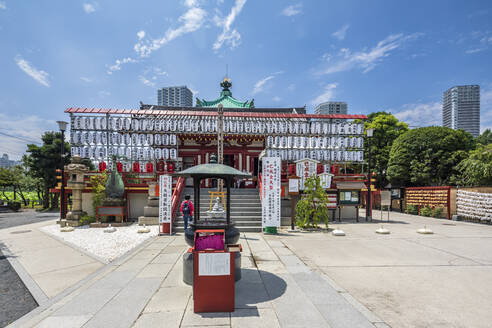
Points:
(76, 172)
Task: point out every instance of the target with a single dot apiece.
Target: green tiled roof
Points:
(225, 99)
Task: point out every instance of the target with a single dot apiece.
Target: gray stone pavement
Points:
(26, 216)
(300, 279)
(146, 290)
(408, 279)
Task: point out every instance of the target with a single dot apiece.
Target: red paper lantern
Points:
(149, 168)
(161, 166)
(136, 167)
(119, 167)
(102, 166)
(170, 168)
(292, 169)
(319, 168)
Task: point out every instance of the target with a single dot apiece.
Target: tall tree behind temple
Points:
(485, 138)
(386, 129)
(428, 156)
(43, 161)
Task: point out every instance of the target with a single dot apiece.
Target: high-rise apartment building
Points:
(461, 108)
(175, 97)
(331, 107)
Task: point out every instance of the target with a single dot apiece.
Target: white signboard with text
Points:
(165, 193)
(325, 180)
(271, 191)
(304, 169)
(385, 198)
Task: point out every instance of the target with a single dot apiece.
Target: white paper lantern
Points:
(172, 140)
(165, 154)
(173, 154)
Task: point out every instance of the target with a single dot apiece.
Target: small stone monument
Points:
(151, 211)
(76, 172)
(217, 211)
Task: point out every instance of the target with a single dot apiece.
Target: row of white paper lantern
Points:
(314, 142)
(207, 125)
(319, 155)
(145, 153)
(115, 138)
(473, 208)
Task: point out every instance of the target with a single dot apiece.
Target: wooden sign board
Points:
(294, 185)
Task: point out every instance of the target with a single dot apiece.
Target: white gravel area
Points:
(106, 246)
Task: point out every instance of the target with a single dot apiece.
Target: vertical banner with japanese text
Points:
(165, 192)
(270, 198)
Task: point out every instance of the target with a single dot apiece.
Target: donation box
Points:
(213, 272)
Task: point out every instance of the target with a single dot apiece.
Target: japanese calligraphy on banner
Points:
(165, 191)
(304, 169)
(270, 200)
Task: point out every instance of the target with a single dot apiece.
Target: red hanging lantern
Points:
(136, 167)
(149, 168)
(170, 168)
(292, 169)
(319, 168)
(102, 166)
(119, 167)
(161, 166)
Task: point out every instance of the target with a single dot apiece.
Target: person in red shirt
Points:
(187, 210)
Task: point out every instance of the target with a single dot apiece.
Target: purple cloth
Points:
(214, 242)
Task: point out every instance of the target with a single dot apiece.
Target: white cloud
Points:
(141, 34)
(259, 86)
(104, 93)
(276, 98)
(327, 95)
(366, 60)
(39, 75)
(86, 79)
(418, 115)
(30, 128)
(228, 36)
(341, 33)
(118, 63)
(146, 81)
(191, 3)
(475, 50)
(191, 21)
(3, 5)
(292, 10)
(89, 7)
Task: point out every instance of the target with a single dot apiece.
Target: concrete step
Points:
(152, 220)
(151, 211)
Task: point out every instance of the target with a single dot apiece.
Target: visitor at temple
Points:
(187, 210)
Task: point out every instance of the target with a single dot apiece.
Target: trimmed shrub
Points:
(87, 219)
(426, 211)
(412, 209)
(438, 212)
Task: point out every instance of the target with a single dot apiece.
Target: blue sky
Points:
(397, 56)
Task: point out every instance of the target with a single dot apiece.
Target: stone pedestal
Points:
(151, 211)
(76, 172)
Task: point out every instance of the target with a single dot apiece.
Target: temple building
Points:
(156, 139)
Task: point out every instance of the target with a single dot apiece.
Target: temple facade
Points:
(156, 139)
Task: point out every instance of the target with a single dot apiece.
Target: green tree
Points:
(43, 161)
(312, 208)
(6, 181)
(427, 156)
(476, 170)
(485, 138)
(386, 129)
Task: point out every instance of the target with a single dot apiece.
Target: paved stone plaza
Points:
(302, 279)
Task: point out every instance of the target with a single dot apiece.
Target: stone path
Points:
(146, 290)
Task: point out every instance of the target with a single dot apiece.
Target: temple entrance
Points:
(229, 160)
(188, 162)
